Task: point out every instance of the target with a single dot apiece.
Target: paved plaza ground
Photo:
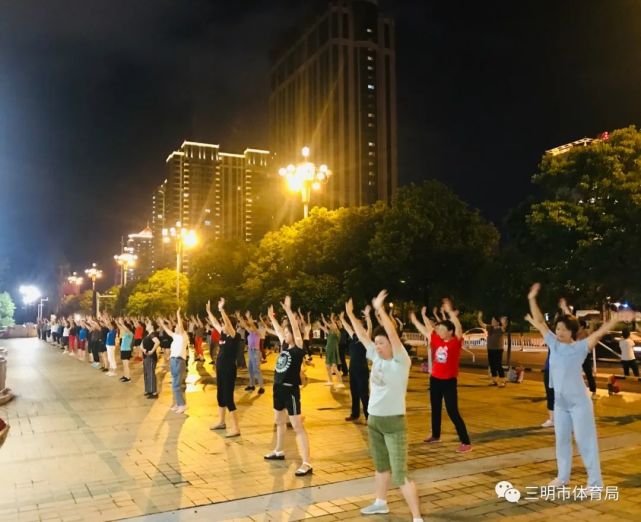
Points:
(84, 446)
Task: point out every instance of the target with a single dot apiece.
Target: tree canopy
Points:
(157, 294)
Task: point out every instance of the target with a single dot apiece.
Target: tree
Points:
(157, 294)
(217, 271)
(585, 232)
(319, 261)
(430, 244)
(7, 309)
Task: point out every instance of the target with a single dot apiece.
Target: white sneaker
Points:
(557, 483)
(548, 424)
(110, 374)
(375, 509)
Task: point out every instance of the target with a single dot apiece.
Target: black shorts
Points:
(125, 355)
(287, 397)
(137, 342)
(102, 348)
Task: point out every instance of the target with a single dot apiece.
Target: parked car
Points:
(611, 340)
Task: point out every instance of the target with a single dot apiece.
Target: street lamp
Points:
(41, 306)
(126, 260)
(75, 280)
(305, 177)
(30, 294)
(184, 238)
(93, 273)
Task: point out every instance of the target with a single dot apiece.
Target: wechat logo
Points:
(506, 490)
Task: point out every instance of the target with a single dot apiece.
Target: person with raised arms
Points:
(177, 361)
(226, 370)
(288, 378)
(446, 343)
(573, 409)
(386, 424)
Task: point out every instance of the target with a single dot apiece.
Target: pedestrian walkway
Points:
(84, 446)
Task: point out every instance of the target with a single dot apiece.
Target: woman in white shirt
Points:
(628, 359)
(386, 425)
(177, 362)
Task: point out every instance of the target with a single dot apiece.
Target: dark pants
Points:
(95, 350)
(225, 383)
(149, 373)
(240, 356)
(630, 365)
(549, 392)
(213, 350)
(446, 389)
(495, 359)
(342, 350)
(359, 388)
(587, 369)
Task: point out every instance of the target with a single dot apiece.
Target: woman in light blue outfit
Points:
(573, 411)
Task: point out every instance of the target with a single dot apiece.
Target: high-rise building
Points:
(140, 245)
(219, 194)
(333, 88)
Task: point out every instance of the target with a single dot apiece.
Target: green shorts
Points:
(388, 445)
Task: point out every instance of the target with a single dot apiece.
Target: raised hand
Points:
(379, 301)
(208, 307)
(270, 312)
(534, 291)
(367, 310)
(287, 305)
(221, 304)
(349, 306)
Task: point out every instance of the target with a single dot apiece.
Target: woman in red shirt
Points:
(446, 343)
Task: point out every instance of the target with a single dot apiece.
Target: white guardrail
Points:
(520, 343)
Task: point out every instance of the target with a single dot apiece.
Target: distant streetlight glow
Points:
(184, 238)
(126, 260)
(305, 177)
(30, 294)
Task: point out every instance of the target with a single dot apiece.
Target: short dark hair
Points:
(570, 323)
(583, 323)
(625, 333)
(379, 330)
(449, 325)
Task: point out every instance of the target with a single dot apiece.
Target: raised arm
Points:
(212, 318)
(293, 321)
(277, 328)
(229, 327)
(563, 305)
(398, 350)
(368, 320)
(595, 337)
(425, 327)
(346, 325)
(453, 315)
(535, 311)
(361, 333)
(479, 319)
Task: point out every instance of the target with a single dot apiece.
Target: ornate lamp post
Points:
(93, 273)
(305, 177)
(184, 238)
(126, 260)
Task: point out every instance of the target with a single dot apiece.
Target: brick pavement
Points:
(86, 447)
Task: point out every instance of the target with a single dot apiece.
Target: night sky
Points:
(95, 94)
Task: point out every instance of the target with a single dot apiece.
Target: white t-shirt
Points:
(65, 331)
(178, 346)
(388, 384)
(627, 349)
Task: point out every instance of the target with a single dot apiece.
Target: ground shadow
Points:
(620, 420)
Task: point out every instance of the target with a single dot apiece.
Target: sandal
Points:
(218, 427)
(305, 469)
(232, 435)
(275, 455)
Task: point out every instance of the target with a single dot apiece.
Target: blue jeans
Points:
(177, 366)
(255, 375)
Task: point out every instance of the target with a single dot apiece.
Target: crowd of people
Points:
(378, 370)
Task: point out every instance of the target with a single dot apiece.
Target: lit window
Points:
(370, 86)
(370, 68)
(370, 144)
(369, 30)
(207, 223)
(370, 58)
